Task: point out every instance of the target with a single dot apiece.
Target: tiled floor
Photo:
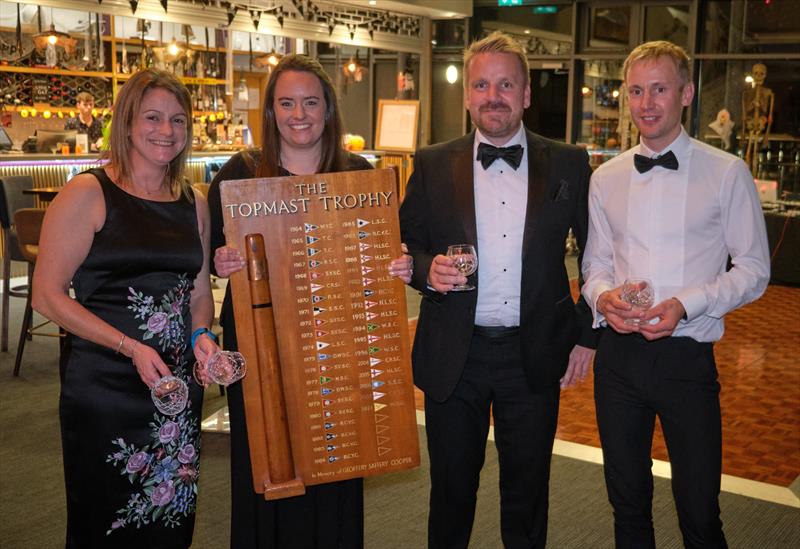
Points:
(758, 361)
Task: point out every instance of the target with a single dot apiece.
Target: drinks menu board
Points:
(346, 393)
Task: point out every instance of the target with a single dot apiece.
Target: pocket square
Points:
(562, 193)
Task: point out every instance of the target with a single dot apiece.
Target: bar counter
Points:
(53, 170)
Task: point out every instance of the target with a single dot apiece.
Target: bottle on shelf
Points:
(198, 66)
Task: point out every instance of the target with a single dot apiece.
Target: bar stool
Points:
(29, 225)
(11, 200)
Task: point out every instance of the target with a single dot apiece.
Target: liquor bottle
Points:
(198, 67)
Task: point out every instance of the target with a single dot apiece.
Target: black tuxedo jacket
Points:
(439, 210)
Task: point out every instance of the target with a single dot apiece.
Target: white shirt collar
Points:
(679, 146)
(518, 138)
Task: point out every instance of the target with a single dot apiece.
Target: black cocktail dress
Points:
(131, 473)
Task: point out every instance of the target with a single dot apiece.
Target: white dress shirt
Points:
(677, 228)
(501, 198)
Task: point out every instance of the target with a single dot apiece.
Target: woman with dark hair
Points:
(302, 135)
(132, 238)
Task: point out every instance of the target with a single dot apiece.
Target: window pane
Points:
(600, 129)
(543, 30)
(723, 85)
(738, 26)
(609, 27)
(667, 23)
(448, 33)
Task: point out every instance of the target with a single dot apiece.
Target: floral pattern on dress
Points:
(166, 470)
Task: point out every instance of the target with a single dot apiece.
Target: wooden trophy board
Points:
(341, 322)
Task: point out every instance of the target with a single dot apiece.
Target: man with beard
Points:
(509, 345)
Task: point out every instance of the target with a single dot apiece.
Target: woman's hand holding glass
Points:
(222, 368)
(204, 348)
(148, 362)
(170, 395)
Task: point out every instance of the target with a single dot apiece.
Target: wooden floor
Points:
(758, 360)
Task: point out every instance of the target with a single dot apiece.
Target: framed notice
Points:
(339, 404)
(397, 125)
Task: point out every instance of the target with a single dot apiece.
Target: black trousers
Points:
(676, 379)
(524, 428)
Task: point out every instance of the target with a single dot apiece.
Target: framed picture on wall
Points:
(397, 125)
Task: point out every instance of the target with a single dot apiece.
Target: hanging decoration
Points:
(325, 12)
(255, 16)
(231, 13)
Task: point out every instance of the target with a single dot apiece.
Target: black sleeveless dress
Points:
(131, 473)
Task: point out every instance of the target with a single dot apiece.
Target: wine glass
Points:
(465, 259)
(170, 395)
(223, 368)
(639, 293)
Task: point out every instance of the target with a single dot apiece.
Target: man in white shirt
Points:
(671, 210)
(510, 344)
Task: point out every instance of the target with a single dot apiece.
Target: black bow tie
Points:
(488, 154)
(644, 164)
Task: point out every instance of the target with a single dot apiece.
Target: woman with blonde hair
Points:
(132, 239)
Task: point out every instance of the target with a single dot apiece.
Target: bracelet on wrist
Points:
(200, 331)
(119, 346)
(133, 349)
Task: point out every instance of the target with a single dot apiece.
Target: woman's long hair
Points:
(127, 107)
(333, 158)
